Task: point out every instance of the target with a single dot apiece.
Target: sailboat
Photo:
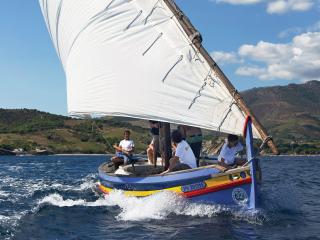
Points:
(144, 59)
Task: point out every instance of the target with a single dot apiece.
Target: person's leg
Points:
(150, 155)
(117, 162)
(196, 148)
(240, 162)
(156, 149)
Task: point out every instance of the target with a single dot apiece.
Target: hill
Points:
(290, 113)
(31, 129)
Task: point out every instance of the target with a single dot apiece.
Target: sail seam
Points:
(57, 27)
(48, 20)
(179, 60)
(92, 19)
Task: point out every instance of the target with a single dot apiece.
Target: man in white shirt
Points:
(123, 151)
(229, 150)
(183, 157)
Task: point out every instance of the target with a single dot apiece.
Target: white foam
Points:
(157, 206)
(4, 194)
(57, 200)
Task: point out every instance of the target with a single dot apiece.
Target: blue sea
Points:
(53, 197)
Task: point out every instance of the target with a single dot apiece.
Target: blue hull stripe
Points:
(152, 186)
(166, 179)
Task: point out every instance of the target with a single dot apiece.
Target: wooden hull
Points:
(205, 184)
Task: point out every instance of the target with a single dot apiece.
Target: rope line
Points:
(267, 139)
(151, 12)
(225, 117)
(112, 1)
(207, 80)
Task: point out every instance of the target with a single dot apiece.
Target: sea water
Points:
(54, 197)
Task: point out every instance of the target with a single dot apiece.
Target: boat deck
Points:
(143, 169)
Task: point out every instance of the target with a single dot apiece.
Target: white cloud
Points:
(314, 28)
(239, 2)
(299, 59)
(224, 57)
(298, 30)
(283, 6)
(251, 71)
(276, 6)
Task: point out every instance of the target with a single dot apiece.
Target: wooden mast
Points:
(165, 143)
(195, 37)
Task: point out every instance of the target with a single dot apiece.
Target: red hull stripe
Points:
(216, 188)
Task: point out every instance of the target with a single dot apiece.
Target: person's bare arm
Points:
(173, 163)
(223, 163)
(117, 148)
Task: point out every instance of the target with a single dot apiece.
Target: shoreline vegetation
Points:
(291, 114)
(31, 132)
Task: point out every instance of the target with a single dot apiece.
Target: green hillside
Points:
(290, 113)
(30, 129)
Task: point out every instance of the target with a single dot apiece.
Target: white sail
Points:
(132, 58)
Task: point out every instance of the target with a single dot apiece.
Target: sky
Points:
(257, 43)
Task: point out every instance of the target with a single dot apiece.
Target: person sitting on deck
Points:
(227, 156)
(123, 151)
(193, 136)
(153, 150)
(183, 156)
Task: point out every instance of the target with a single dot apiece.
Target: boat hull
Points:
(206, 184)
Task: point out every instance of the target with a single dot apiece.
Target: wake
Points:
(158, 206)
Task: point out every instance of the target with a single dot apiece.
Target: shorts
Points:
(123, 156)
(196, 149)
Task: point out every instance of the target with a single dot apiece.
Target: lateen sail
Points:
(132, 58)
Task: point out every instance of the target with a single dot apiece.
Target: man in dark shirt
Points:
(153, 150)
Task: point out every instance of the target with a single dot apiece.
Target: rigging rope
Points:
(151, 12)
(207, 80)
(267, 139)
(225, 117)
(112, 1)
(100, 131)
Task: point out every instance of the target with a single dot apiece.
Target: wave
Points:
(158, 206)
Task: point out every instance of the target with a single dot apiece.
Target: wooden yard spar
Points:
(196, 39)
